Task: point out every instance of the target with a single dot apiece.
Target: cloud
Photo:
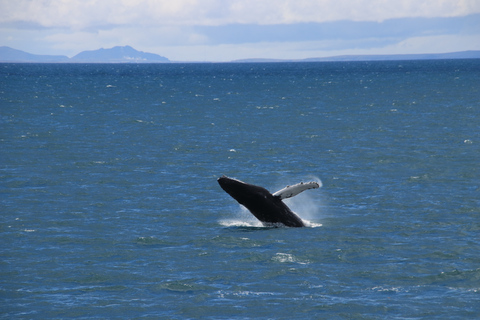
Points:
(80, 14)
(399, 29)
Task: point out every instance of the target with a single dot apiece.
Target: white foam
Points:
(287, 257)
(259, 224)
(241, 223)
(311, 224)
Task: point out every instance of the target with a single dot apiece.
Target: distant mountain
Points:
(431, 56)
(128, 54)
(8, 54)
(117, 55)
(386, 57)
(114, 55)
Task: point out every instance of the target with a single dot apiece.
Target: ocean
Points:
(111, 207)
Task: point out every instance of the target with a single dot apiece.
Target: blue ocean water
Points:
(111, 209)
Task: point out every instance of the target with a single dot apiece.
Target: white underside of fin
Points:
(290, 191)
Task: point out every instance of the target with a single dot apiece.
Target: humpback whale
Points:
(266, 207)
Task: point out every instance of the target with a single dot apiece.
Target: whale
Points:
(265, 206)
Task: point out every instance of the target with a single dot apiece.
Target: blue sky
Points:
(225, 30)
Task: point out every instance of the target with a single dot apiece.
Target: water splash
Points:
(241, 223)
(243, 219)
(306, 205)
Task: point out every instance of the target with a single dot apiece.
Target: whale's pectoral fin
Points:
(290, 191)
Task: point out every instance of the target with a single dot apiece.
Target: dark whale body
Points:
(266, 207)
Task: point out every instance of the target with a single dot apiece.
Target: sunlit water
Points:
(111, 209)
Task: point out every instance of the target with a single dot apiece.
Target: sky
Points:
(226, 30)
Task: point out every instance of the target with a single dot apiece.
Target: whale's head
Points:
(241, 191)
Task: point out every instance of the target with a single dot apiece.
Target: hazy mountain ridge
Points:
(472, 54)
(118, 55)
(8, 54)
(127, 54)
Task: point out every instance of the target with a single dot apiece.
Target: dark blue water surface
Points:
(111, 209)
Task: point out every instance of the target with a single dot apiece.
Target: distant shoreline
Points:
(472, 54)
(127, 55)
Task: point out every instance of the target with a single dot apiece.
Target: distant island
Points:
(383, 57)
(127, 54)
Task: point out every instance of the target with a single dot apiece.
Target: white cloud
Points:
(78, 14)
